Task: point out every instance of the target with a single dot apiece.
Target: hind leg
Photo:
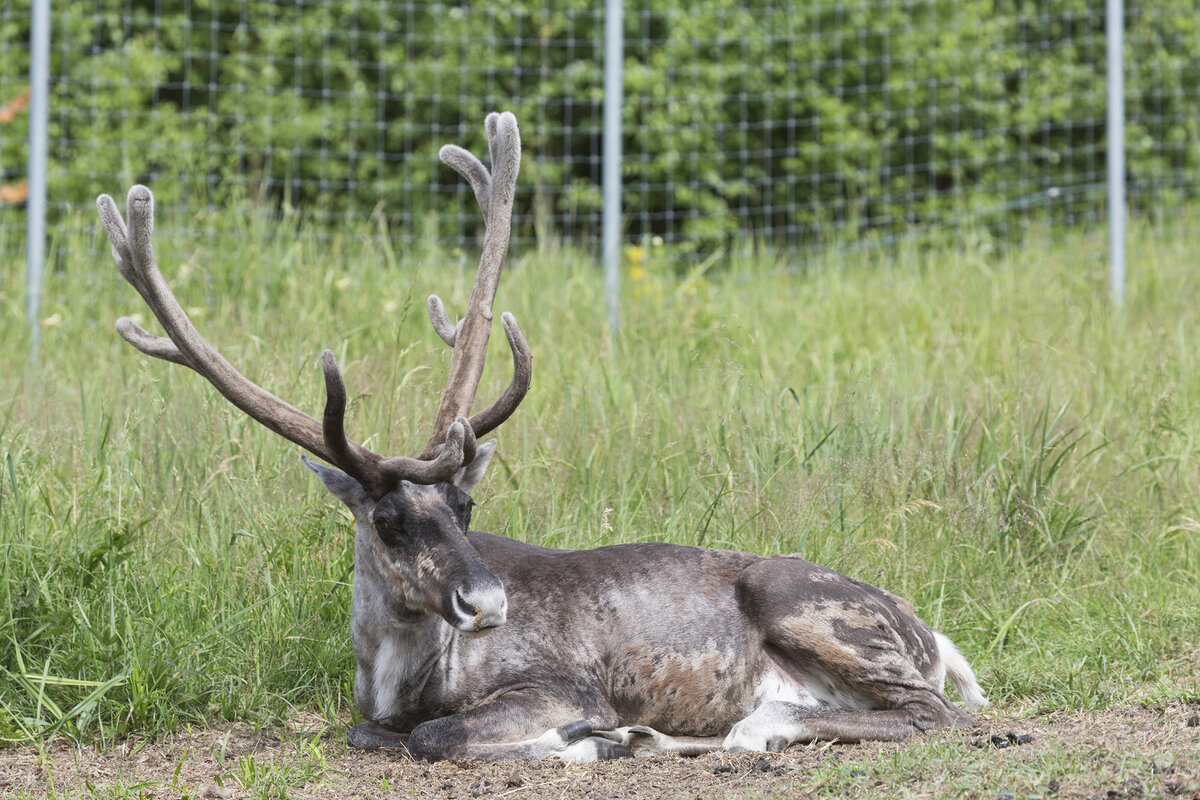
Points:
(776, 724)
(861, 664)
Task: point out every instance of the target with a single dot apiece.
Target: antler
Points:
(455, 445)
(469, 338)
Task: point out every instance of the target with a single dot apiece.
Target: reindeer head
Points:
(412, 512)
(415, 537)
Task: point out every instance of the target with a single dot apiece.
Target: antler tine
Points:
(457, 451)
(333, 424)
(148, 343)
(377, 474)
(494, 415)
(467, 165)
(133, 253)
(441, 322)
(130, 331)
(470, 167)
(470, 338)
(118, 238)
(490, 124)
(453, 442)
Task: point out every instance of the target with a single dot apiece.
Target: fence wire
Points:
(801, 125)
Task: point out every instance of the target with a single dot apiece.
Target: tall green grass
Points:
(983, 434)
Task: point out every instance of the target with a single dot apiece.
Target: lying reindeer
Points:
(474, 645)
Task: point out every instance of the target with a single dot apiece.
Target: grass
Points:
(983, 434)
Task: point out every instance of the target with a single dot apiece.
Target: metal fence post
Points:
(614, 48)
(1114, 36)
(35, 203)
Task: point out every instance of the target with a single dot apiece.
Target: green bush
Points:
(787, 123)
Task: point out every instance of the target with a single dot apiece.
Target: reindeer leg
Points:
(853, 662)
(645, 741)
(776, 724)
(372, 736)
(519, 725)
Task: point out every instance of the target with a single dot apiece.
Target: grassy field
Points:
(983, 434)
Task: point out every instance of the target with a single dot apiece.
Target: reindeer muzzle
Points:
(477, 604)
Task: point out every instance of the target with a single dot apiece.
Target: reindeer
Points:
(475, 645)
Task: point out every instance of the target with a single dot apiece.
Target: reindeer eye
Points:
(386, 525)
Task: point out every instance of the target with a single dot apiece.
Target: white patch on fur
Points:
(774, 685)
(814, 691)
(829, 694)
(426, 568)
(390, 670)
(551, 743)
(779, 698)
(770, 721)
(954, 665)
(551, 740)
(584, 751)
(393, 669)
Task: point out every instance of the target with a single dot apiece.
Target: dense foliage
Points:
(787, 121)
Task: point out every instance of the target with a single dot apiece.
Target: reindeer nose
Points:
(475, 608)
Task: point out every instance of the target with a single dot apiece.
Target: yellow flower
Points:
(342, 284)
(52, 321)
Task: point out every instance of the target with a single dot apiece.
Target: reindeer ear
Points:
(469, 476)
(340, 485)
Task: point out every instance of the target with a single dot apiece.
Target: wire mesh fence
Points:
(798, 124)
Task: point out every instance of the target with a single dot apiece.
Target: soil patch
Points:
(1130, 752)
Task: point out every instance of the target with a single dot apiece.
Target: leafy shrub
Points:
(785, 122)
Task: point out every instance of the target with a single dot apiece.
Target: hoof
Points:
(777, 745)
(574, 731)
(372, 736)
(609, 751)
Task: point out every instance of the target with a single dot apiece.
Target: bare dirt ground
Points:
(1123, 753)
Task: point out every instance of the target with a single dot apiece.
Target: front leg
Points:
(372, 736)
(519, 725)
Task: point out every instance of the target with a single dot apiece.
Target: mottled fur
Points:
(655, 645)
